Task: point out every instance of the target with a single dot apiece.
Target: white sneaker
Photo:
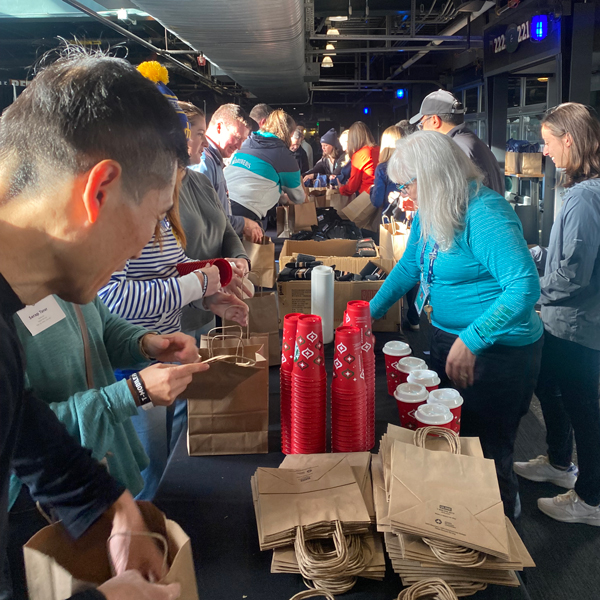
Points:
(570, 508)
(540, 469)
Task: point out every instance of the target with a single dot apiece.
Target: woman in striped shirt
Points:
(149, 292)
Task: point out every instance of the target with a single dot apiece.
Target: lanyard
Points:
(432, 256)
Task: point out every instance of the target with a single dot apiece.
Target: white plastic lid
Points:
(433, 414)
(424, 377)
(410, 363)
(447, 396)
(411, 392)
(396, 348)
(322, 270)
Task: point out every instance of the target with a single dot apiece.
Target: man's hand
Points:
(252, 230)
(228, 306)
(460, 364)
(214, 279)
(171, 347)
(130, 585)
(165, 383)
(138, 552)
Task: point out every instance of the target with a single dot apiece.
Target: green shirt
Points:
(98, 418)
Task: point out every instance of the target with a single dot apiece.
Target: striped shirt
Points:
(148, 291)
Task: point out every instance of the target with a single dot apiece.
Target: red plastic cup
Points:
(452, 399)
(408, 364)
(409, 396)
(308, 353)
(290, 323)
(436, 415)
(424, 377)
(224, 266)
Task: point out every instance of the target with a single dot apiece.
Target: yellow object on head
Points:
(154, 71)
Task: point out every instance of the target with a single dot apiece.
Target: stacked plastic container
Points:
(290, 322)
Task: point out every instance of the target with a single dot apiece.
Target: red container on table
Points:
(424, 377)
(409, 396)
(348, 393)
(408, 364)
(359, 314)
(433, 415)
(452, 399)
(393, 351)
(290, 322)
(309, 388)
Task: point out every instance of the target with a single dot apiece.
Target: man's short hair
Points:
(229, 114)
(260, 112)
(83, 109)
(452, 119)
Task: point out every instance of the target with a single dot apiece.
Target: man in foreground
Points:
(87, 169)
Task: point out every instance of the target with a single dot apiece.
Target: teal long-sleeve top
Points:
(484, 288)
(98, 418)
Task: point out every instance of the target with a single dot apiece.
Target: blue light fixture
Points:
(401, 93)
(366, 110)
(539, 27)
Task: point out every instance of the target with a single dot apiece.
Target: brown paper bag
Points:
(337, 201)
(57, 566)
(362, 212)
(446, 496)
(237, 423)
(392, 239)
(296, 217)
(262, 258)
(264, 320)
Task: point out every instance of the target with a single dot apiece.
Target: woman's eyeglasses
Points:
(402, 188)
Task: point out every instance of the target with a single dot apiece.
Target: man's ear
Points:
(219, 127)
(102, 180)
(436, 121)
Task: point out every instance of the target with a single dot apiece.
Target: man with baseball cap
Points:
(441, 111)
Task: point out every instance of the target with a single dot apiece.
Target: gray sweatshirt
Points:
(209, 234)
(571, 284)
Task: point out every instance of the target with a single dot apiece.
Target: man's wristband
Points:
(142, 393)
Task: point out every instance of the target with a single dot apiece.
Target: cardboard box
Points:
(323, 249)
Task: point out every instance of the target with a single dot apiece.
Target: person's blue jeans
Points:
(568, 392)
(151, 427)
(505, 377)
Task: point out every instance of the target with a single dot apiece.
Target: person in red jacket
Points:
(364, 155)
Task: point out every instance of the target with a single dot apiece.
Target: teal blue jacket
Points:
(484, 288)
(98, 418)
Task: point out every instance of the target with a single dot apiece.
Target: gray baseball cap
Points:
(440, 102)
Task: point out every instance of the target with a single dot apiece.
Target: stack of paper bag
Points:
(315, 490)
(440, 497)
(313, 498)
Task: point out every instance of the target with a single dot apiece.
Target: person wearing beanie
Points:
(332, 160)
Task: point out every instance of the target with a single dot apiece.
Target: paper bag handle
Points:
(432, 587)
(451, 437)
(240, 361)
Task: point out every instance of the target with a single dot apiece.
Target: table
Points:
(210, 498)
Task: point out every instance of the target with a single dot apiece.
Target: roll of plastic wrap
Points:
(321, 294)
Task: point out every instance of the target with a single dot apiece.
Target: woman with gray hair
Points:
(467, 251)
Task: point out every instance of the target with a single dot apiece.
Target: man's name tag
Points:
(40, 316)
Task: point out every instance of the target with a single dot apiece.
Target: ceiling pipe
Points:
(378, 81)
(452, 28)
(443, 37)
(383, 50)
(164, 53)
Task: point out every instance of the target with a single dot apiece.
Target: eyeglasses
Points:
(402, 188)
(423, 121)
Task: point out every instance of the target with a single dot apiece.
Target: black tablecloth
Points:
(210, 498)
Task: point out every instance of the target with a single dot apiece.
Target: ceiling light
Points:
(122, 14)
(333, 31)
(327, 62)
(329, 47)
(542, 79)
(338, 18)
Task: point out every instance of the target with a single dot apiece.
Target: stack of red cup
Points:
(348, 393)
(358, 314)
(309, 389)
(290, 322)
